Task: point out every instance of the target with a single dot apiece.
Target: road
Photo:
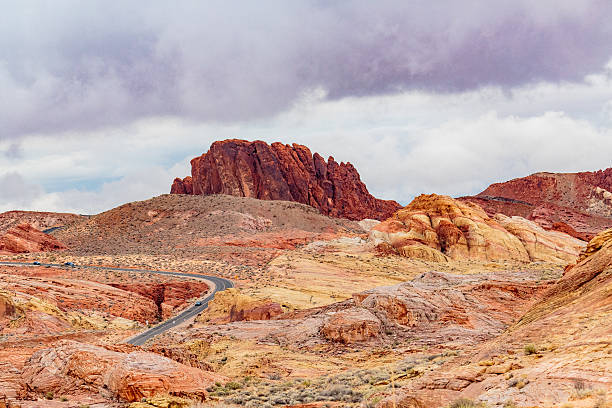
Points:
(190, 312)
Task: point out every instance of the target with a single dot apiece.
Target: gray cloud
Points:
(17, 191)
(75, 66)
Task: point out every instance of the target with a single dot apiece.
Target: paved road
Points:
(190, 312)
(50, 230)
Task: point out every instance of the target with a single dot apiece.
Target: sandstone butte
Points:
(24, 238)
(283, 172)
(436, 228)
(576, 203)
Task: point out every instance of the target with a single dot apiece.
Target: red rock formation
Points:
(182, 186)
(583, 201)
(283, 172)
(72, 367)
(24, 238)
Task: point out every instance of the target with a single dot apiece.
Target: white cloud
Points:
(401, 144)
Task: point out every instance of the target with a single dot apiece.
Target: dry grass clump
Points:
(466, 403)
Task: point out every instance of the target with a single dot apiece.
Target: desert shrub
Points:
(49, 395)
(232, 385)
(530, 349)
(465, 403)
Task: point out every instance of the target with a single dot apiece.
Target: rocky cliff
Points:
(580, 201)
(283, 172)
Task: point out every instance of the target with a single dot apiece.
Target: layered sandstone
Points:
(72, 368)
(582, 201)
(283, 172)
(437, 228)
(557, 354)
(50, 306)
(24, 238)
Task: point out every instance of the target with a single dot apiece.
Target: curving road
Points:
(219, 285)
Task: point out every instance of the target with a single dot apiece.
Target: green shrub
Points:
(530, 349)
(232, 385)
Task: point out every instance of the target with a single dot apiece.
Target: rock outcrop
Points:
(582, 201)
(283, 172)
(73, 367)
(352, 325)
(436, 228)
(232, 306)
(24, 238)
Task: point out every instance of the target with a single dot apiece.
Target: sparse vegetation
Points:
(466, 403)
(530, 349)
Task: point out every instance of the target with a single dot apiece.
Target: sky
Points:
(102, 103)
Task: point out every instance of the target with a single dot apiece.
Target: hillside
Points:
(582, 201)
(37, 219)
(174, 223)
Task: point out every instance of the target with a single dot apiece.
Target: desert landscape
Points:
(440, 303)
(306, 204)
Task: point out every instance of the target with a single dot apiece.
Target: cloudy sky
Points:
(106, 102)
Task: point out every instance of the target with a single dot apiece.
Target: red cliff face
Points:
(576, 202)
(283, 172)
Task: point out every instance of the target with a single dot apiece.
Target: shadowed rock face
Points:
(575, 203)
(283, 172)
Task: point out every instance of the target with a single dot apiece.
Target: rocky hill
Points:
(437, 228)
(282, 172)
(172, 223)
(37, 219)
(579, 203)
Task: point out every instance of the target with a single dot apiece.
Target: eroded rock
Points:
(283, 172)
